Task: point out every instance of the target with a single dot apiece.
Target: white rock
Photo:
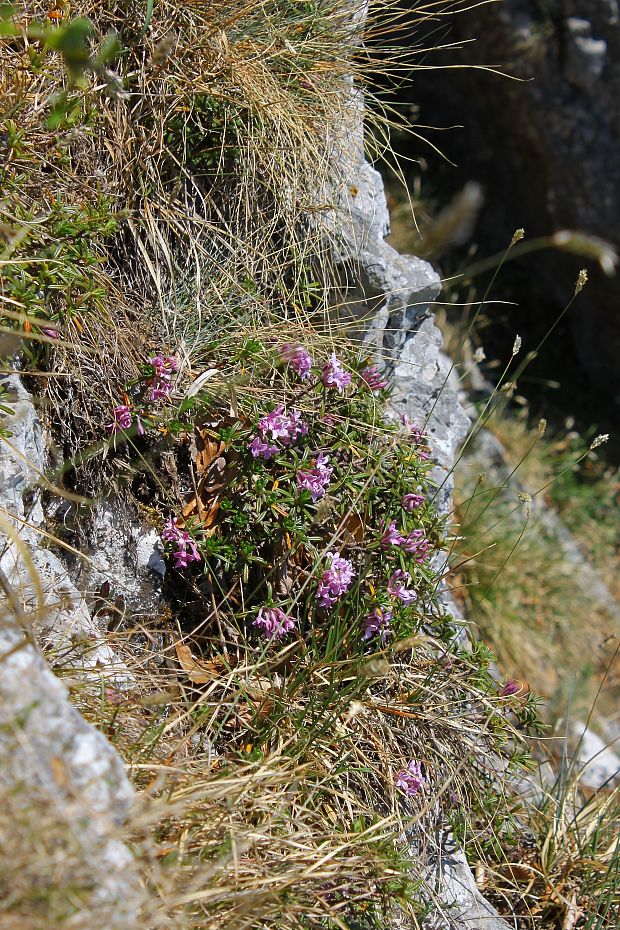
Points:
(600, 765)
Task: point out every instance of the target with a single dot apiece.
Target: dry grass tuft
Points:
(564, 872)
(267, 783)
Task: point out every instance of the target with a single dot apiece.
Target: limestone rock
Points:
(386, 298)
(63, 790)
(425, 391)
(585, 56)
(38, 575)
(599, 764)
(462, 906)
(126, 553)
(383, 293)
(63, 798)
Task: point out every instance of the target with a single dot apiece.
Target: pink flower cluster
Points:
(377, 623)
(165, 366)
(391, 536)
(273, 622)
(413, 543)
(298, 359)
(397, 587)
(123, 419)
(316, 478)
(373, 379)
(335, 580)
(334, 375)
(411, 501)
(186, 549)
(276, 431)
(411, 779)
(417, 545)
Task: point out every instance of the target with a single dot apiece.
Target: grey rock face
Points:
(386, 299)
(585, 56)
(426, 393)
(126, 553)
(63, 795)
(383, 293)
(461, 906)
(45, 587)
(122, 550)
(63, 789)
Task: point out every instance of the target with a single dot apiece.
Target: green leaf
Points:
(72, 43)
(148, 17)
(59, 111)
(109, 50)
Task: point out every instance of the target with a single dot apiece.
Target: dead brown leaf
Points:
(199, 671)
(353, 528)
(517, 872)
(217, 467)
(207, 450)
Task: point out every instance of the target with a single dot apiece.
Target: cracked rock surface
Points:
(64, 794)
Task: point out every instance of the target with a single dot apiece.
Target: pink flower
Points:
(298, 359)
(262, 450)
(411, 779)
(391, 536)
(293, 429)
(315, 479)
(377, 623)
(335, 580)
(511, 687)
(411, 501)
(186, 554)
(396, 587)
(334, 374)
(276, 431)
(415, 544)
(273, 622)
(51, 333)
(160, 390)
(122, 418)
(373, 379)
(164, 367)
(186, 549)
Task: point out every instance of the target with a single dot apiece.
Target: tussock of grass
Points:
(203, 147)
(565, 871)
(520, 583)
(211, 162)
(267, 789)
